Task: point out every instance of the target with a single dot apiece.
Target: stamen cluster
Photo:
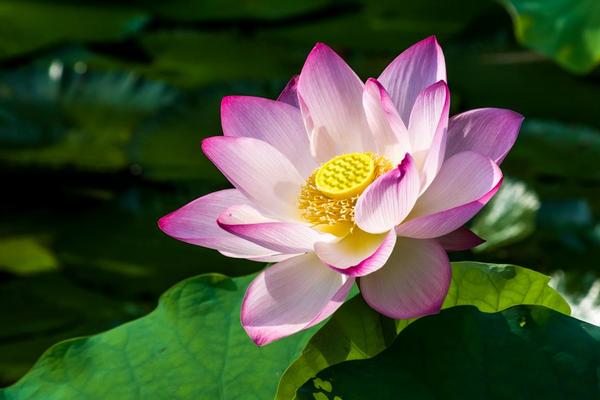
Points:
(319, 208)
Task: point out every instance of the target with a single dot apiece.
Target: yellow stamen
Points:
(328, 198)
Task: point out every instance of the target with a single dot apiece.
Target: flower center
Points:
(346, 175)
(329, 195)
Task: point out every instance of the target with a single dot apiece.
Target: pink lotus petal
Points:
(291, 296)
(466, 182)
(196, 223)
(285, 237)
(330, 96)
(443, 222)
(390, 136)
(413, 283)
(274, 122)
(428, 130)
(358, 253)
(371, 263)
(418, 67)
(388, 200)
(322, 146)
(459, 240)
(289, 94)
(259, 171)
(336, 301)
(489, 131)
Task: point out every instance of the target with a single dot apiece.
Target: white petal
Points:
(388, 200)
(259, 171)
(427, 130)
(357, 254)
(274, 122)
(389, 133)
(285, 237)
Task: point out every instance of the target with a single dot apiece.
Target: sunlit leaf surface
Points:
(191, 346)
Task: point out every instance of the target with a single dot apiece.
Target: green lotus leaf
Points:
(566, 30)
(192, 346)
(525, 352)
(358, 332)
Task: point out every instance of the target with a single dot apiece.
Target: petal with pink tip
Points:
(413, 283)
(488, 131)
(196, 223)
(274, 122)
(388, 200)
(459, 240)
(331, 102)
(285, 237)
(357, 254)
(466, 182)
(291, 296)
(262, 173)
(418, 67)
(389, 133)
(427, 129)
(289, 94)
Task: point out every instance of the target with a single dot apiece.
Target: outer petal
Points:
(259, 171)
(285, 237)
(459, 240)
(359, 253)
(418, 67)
(196, 223)
(466, 182)
(413, 283)
(388, 200)
(489, 131)
(331, 103)
(274, 122)
(428, 129)
(289, 94)
(290, 296)
(389, 132)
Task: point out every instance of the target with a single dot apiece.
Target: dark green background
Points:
(103, 106)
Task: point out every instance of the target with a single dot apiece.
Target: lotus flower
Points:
(339, 180)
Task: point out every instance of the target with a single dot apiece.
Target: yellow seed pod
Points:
(346, 175)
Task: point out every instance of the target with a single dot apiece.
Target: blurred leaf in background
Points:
(566, 30)
(29, 25)
(26, 255)
(509, 217)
